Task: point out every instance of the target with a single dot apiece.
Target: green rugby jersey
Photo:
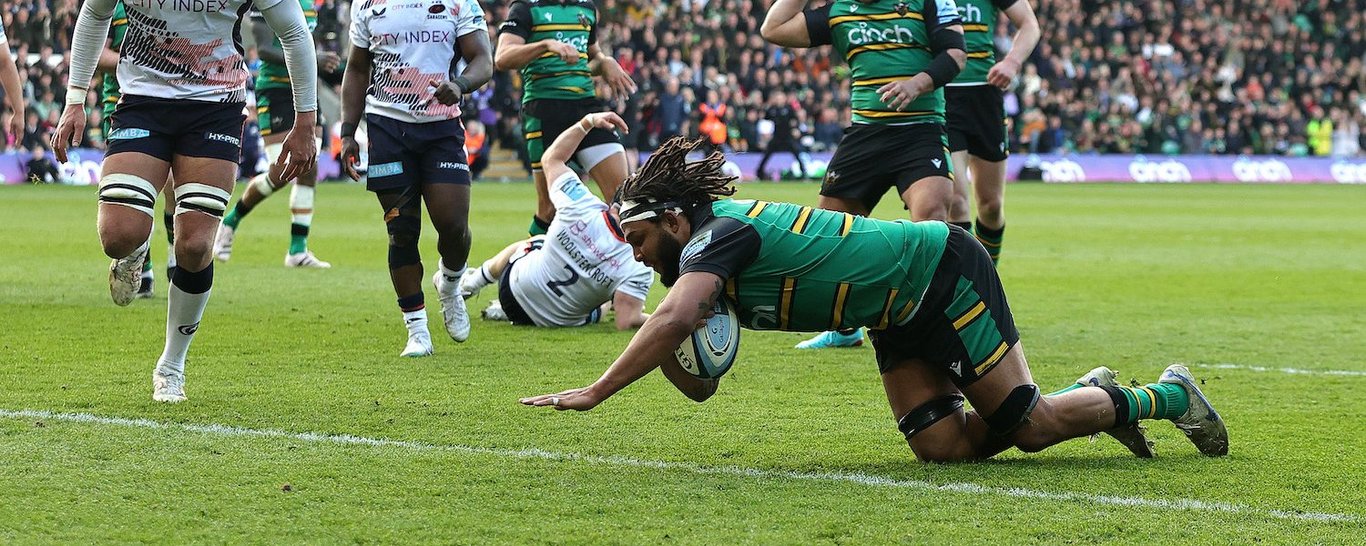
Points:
(275, 75)
(789, 267)
(109, 90)
(979, 32)
(884, 41)
(573, 22)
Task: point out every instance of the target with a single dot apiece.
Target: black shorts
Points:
(163, 128)
(511, 307)
(963, 326)
(404, 154)
(543, 121)
(274, 110)
(872, 158)
(976, 121)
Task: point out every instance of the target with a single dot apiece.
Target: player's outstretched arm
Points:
(688, 302)
(785, 24)
(1022, 16)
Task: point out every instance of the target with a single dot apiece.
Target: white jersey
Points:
(185, 49)
(584, 262)
(411, 43)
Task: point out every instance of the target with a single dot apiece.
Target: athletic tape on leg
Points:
(128, 190)
(203, 198)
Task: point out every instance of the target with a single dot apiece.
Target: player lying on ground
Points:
(937, 315)
(583, 261)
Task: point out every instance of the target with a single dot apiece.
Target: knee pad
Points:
(130, 191)
(929, 413)
(203, 198)
(1015, 410)
(590, 157)
(404, 231)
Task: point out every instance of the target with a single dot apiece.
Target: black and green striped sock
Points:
(991, 239)
(1151, 401)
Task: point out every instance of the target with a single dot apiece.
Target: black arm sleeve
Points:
(818, 25)
(519, 20)
(722, 246)
(945, 39)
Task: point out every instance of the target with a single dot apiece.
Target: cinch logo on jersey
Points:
(864, 34)
(127, 133)
(223, 138)
(970, 13)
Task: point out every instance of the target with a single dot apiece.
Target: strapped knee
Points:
(203, 198)
(404, 231)
(128, 190)
(929, 413)
(1015, 410)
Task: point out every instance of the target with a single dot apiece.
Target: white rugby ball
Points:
(710, 351)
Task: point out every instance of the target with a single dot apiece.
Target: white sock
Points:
(262, 184)
(416, 321)
(483, 279)
(452, 276)
(484, 272)
(183, 311)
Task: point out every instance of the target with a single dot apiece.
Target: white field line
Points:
(619, 461)
(1292, 371)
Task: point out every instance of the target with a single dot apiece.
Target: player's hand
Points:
(299, 153)
(901, 93)
(582, 399)
(69, 130)
(1002, 73)
(446, 93)
(568, 53)
(328, 61)
(606, 120)
(350, 157)
(16, 124)
(616, 78)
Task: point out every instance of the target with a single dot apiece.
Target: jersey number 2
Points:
(555, 285)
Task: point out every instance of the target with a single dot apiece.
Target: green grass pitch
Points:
(294, 381)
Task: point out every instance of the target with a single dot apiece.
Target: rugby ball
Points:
(710, 351)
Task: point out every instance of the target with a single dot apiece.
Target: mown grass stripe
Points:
(859, 478)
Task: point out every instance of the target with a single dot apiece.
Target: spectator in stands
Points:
(40, 169)
(672, 110)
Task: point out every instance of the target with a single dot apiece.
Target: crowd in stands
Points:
(1129, 76)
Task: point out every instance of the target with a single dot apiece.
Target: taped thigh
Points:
(926, 415)
(128, 190)
(194, 197)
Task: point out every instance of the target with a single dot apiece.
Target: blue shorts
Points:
(163, 128)
(406, 154)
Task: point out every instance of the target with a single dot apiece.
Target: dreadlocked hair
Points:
(668, 176)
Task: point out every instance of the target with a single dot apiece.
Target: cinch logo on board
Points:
(1158, 171)
(1348, 173)
(1261, 170)
(1062, 170)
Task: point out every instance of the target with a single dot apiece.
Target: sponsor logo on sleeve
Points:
(695, 246)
